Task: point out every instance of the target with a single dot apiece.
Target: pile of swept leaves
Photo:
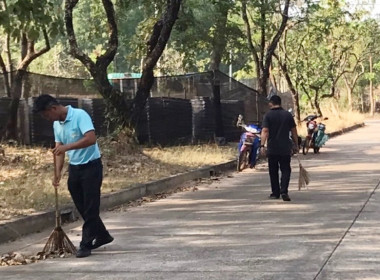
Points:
(17, 258)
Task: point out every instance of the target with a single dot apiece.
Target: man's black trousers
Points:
(84, 185)
(276, 163)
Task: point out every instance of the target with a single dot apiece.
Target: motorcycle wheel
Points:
(306, 146)
(243, 160)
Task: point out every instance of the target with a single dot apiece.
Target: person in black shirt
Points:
(276, 127)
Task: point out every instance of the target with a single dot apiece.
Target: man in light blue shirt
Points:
(74, 134)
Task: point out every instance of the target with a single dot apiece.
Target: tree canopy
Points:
(323, 50)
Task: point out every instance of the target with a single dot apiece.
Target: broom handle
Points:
(57, 214)
(299, 162)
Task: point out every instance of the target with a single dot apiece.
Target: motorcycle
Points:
(249, 145)
(316, 136)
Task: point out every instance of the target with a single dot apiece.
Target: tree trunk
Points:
(219, 132)
(316, 103)
(156, 45)
(23, 46)
(349, 97)
(251, 45)
(9, 58)
(272, 78)
(16, 88)
(6, 78)
(371, 97)
(295, 96)
(349, 92)
(143, 91)
(123, 115)
(263, 83)
(117, 110)
(350, 85)
(362, 102)
(219, 41)
(11, 128)
(266, 49)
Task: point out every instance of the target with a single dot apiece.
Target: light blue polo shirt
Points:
(76, 124)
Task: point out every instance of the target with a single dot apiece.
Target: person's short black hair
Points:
(43, 102)
(275, 100)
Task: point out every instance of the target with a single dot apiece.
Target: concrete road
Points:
(230, 230)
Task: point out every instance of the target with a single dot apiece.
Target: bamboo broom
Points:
(58, 242)
(303, 178)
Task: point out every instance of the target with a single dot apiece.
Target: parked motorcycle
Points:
(316, 136)
(249, 145)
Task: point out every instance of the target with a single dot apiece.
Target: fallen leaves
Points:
(26, 172)
(17, 258)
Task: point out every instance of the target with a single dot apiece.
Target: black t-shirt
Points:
(279, 123)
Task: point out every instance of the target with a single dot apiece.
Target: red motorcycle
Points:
(316, 137)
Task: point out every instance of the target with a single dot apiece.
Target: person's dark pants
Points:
(84, 185)
(275, 163)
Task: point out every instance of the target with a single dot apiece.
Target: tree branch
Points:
(263, 34)
(5, 74)
(308, 95)
(163, 27)
(276, 38)
(113, 41)
(32, 54)
(74, 49)
(156, 45)
(249, 37)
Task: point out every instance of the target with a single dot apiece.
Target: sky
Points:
(373, 5)
(376, 10)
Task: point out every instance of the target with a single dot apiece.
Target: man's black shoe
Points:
(101, 241)
(83, 252)
(285, 197)
(273, 196)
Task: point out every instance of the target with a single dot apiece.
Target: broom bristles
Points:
(303, 179)
(59, 243)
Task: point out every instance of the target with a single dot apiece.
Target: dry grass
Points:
(26, 172)
(337, 119)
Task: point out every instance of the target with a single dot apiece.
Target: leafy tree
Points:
(269, 19)
(26, 22)
(318, 52)
(124, 115)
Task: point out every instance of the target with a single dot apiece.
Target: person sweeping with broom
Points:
(277, 124)
(75, 135)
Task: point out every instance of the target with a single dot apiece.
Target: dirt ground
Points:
(26, 172)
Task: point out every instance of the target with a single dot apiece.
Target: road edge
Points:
(39, 221)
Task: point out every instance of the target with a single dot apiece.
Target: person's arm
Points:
(88, 139)
(264, 136)
(59, 161)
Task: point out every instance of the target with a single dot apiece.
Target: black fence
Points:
(37, 84)
(180, 109)
(166, 121)
(188, 86)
